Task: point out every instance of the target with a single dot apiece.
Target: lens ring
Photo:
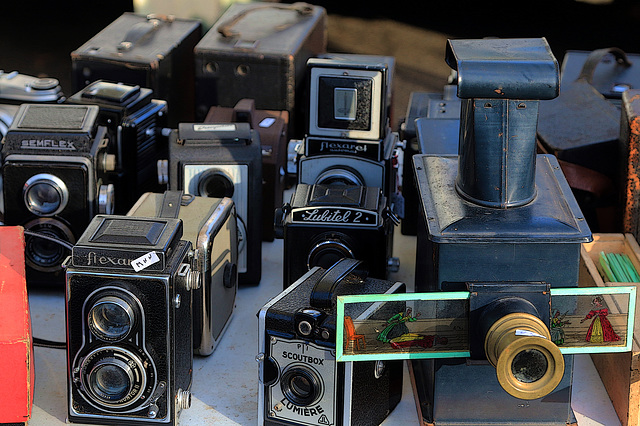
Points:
(326, 253)
(113, 377)
(45, 194)
(111, 380)
(301, 385)
(339, 176)
(44, 255)
(111, 318)
(215, 183)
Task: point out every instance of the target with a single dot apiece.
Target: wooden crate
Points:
(620, 372)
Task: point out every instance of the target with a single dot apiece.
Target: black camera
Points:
(325, 223)
(210, 226)
(301, 382)
(349, 140)
(54, 168)
(224, 160)
(128, 313)
(136, 123)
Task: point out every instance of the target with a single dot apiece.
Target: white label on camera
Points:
(214, 127)
(528, 333)
(267, 122)
(144, 261)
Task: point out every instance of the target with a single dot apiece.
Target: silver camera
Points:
(210, 225)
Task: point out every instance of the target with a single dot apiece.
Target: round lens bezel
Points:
(54, 182)
(99, 331)
(310, 376)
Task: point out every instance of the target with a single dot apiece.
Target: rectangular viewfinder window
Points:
(345, 103)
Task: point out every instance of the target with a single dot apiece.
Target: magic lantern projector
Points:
(497, 314)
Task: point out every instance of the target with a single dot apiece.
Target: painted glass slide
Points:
(435, 325)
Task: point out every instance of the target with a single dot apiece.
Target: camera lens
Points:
(301, 385)
(327, 253)
(44, 254)
(45, 194)
(111, 318)
(111, 382)
(114, 377)
(529, 366)
(216, 184)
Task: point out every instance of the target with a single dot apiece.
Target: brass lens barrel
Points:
(528, 364)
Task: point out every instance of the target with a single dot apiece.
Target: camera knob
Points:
(163, 172)
(393, 264)
(108, 162)
(183, 399)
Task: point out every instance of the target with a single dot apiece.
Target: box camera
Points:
(54, 168)
(272, 128)
(300, 381)
(209, 224)
(325, 223)
(135, 122)
(224, 160)
(152, 51)
(128, 314)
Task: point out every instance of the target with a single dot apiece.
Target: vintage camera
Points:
(325, 223)
(210, 226)
(224, 160)
(128, 313)
(137, 136)
(300, 381)
(17, 89)
(349, 140)
(54, 168)
(272, 127)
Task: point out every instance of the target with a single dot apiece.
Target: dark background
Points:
(37, 38)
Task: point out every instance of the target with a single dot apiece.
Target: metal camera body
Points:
(210, 225)
(348, 138)
(324, 223)
(135, 122)
(54, 171)
(17, 89)
(501, 222)
(224, 160)
(300, 381)
(128, 313)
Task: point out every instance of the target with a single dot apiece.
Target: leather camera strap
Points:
(596, 56)
(170, 206)
(321, 296)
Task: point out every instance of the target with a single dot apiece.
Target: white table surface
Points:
(225, 384)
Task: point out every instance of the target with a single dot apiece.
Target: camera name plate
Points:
(372, 150)
(335, 215)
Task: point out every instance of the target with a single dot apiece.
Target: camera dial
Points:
(45, 194)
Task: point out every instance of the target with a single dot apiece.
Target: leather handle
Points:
(596, 56)
(226, 28)
(322, 293)
(170, 206)
(138, 32)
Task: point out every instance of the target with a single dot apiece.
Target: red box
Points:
(16, 348)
